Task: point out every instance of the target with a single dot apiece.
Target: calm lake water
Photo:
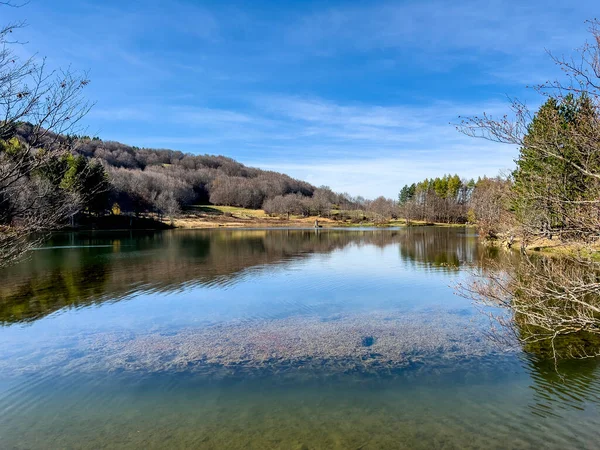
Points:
(291, 339)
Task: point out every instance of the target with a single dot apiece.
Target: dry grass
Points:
(241, 212)
(210, 216)
(556, 247)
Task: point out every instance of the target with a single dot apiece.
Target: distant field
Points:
(227, 215)
(233, 210)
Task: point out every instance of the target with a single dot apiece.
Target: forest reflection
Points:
(568, 384)
(81, 269)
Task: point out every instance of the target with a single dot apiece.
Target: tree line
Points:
(554, 190)
(89, 176)
(165, 180)
(552, 193)
(42, 183)
(162, 181)
(441, 199)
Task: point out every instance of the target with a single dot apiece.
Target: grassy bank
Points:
(554, 247)
(210, 216)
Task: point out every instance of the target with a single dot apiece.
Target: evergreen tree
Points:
(88, 180)
(548, 189)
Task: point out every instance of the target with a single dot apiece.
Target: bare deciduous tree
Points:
(50, 103)
(552, 303)
(383, 209)
(489, 204)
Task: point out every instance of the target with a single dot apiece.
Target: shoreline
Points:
(553, 247)
(232, 217)
(209, 217)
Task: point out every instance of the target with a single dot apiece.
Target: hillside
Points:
(166, 181)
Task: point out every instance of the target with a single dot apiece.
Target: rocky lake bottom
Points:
(272, 339)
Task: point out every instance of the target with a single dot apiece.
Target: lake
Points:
(291, 339)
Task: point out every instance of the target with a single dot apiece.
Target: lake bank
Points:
(234, 217)
(552, 247)
(214, 216)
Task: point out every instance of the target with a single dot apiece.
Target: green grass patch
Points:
(232, 210)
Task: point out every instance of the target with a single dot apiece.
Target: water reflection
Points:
(559, 387)
(76, 270)
(277, 333)
(441, 248)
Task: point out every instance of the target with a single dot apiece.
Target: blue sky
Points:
(355, 95)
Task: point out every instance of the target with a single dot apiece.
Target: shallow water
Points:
(271, 339)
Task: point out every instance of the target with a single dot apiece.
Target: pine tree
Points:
(548, 187)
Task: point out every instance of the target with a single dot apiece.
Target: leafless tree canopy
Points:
(550, 303)
(51, 102)
(489, 207)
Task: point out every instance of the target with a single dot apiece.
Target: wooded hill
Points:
(164, 181)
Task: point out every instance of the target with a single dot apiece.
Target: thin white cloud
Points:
(130, 114)
(363, 149)
(500, 37)
(271, 121)
(510, 27)
(186, 76)
(372, 177)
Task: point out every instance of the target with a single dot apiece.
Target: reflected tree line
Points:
(572, 384)
(107, 267)
(544, 302)
(80, 270)
(77, 270)
(444, 249)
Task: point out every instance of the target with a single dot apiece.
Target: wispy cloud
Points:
(509, 27)
(500, 37)
(362, 149)
(384, 176)
(358, 95)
